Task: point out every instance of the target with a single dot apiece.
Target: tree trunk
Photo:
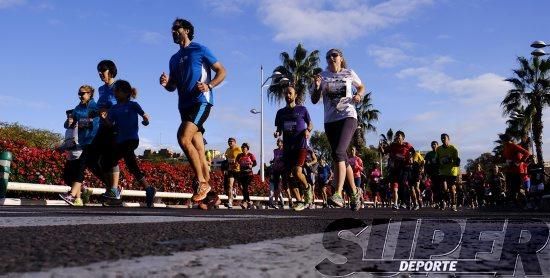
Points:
(358, 141)
(537, 133)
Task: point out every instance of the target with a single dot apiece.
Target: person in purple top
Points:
(190, 74)
(294, 123)
(123, 118)
(277, 176)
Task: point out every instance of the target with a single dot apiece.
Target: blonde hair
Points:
(87, 88)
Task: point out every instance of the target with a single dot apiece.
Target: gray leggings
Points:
(339, 136)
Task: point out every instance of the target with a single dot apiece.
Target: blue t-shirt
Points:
(293, 122)
(324, 173)
(106, 96)
(124, 117)
(87, 129)
(188, 66)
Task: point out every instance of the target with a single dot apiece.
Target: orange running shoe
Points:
(203, 189)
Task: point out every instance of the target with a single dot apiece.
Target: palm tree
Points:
(531, 88)
(388, 137)
(519, 122)
(366, 116)
(300, 69)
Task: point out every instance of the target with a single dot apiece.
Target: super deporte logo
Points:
(469, 246)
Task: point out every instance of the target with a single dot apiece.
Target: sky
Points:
(433, 66)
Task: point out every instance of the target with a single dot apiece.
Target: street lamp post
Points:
(537, 53)
(254, 111)
(539, 45)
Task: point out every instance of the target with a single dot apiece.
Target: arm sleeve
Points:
(278, 123)
(253, 158)
(209, 58)
(355, 80)
(138, 108)
(307, 118)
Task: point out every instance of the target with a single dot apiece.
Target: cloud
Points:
(149, 37)
(5, 4)
(10, 101)
(426, 116)
(227, 7)
(485, 87)
(387, 57)
(398, 54)
(341, 21)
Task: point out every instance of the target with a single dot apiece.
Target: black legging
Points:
(126, 150)
(339, 136)
(245, 180)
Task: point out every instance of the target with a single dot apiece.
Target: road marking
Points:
(33, 221)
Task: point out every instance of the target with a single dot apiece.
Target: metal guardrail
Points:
(49, 188)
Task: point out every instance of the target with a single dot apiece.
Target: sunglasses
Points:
(334, 55)
(82, 93)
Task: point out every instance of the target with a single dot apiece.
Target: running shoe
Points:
(150, 193)
(203, 189)
(111, 193)
(299, 206)
(395, 207)
(355, 201)
(228, 205)
(86, 194)
(68, 198)
(337, 200)
(416, 207)
(78, 202)
(454, 208)
(308, 198)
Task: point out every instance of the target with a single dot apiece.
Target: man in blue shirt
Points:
(190, 74)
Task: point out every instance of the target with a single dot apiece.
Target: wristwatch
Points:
(209, 86)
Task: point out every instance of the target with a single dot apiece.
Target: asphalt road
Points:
(138, 242)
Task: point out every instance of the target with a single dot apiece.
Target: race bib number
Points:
(290, 126)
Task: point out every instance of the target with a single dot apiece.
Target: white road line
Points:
(14, 221)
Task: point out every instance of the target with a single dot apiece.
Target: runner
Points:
(276, 181)
(190, 71)
(449, 163)
(325, 178)
(478, 182)
(232, 170)
(294, 124)
(86, 120)
(356, 164)
(123, 118)
(375, 186)
(310, 170)
(335, 85)
(515, 157)
(104, 142)
(399, 167)
(431, 168)
(417, 172)
(72, 151)
(246, 161)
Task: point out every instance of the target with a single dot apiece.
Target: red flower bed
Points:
(45, 166)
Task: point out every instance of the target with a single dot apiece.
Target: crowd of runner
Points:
(100, 134)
